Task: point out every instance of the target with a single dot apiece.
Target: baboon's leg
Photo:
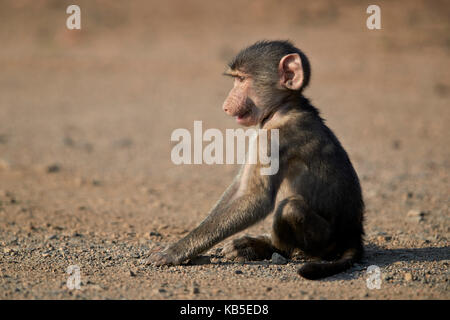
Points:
(294, 227)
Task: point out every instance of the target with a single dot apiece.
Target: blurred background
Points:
(104, 100)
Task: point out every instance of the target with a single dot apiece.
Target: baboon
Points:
(315, 196)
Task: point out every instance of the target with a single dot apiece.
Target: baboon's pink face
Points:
(242, 101)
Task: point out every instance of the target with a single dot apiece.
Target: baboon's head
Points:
(265, 74)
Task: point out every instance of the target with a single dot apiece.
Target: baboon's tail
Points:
(318, 270)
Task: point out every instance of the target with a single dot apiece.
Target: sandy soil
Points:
(86, 117)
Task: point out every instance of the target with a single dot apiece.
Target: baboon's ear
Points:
(290, 71)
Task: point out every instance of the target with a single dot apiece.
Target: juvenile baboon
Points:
(315, 195)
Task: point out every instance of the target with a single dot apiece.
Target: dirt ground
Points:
(86, 117)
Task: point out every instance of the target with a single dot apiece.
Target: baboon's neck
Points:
(297, 101)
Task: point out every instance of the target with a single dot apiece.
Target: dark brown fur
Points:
(315, 196)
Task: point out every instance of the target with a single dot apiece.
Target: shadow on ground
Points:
(374, 255)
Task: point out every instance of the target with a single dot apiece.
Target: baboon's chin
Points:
(248, 119)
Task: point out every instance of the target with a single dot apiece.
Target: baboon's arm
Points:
(238, 209)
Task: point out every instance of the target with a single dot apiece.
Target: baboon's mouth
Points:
(243, 114)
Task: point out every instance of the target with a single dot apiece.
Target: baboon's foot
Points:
(249, 248)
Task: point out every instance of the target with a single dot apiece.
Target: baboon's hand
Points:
(161, 258)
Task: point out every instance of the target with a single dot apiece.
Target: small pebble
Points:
(154, 234)
(96, 183)
(408, 276)
(54, 168)
(384, 238)
(278, 259)
(416, 213)
(52, 237)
